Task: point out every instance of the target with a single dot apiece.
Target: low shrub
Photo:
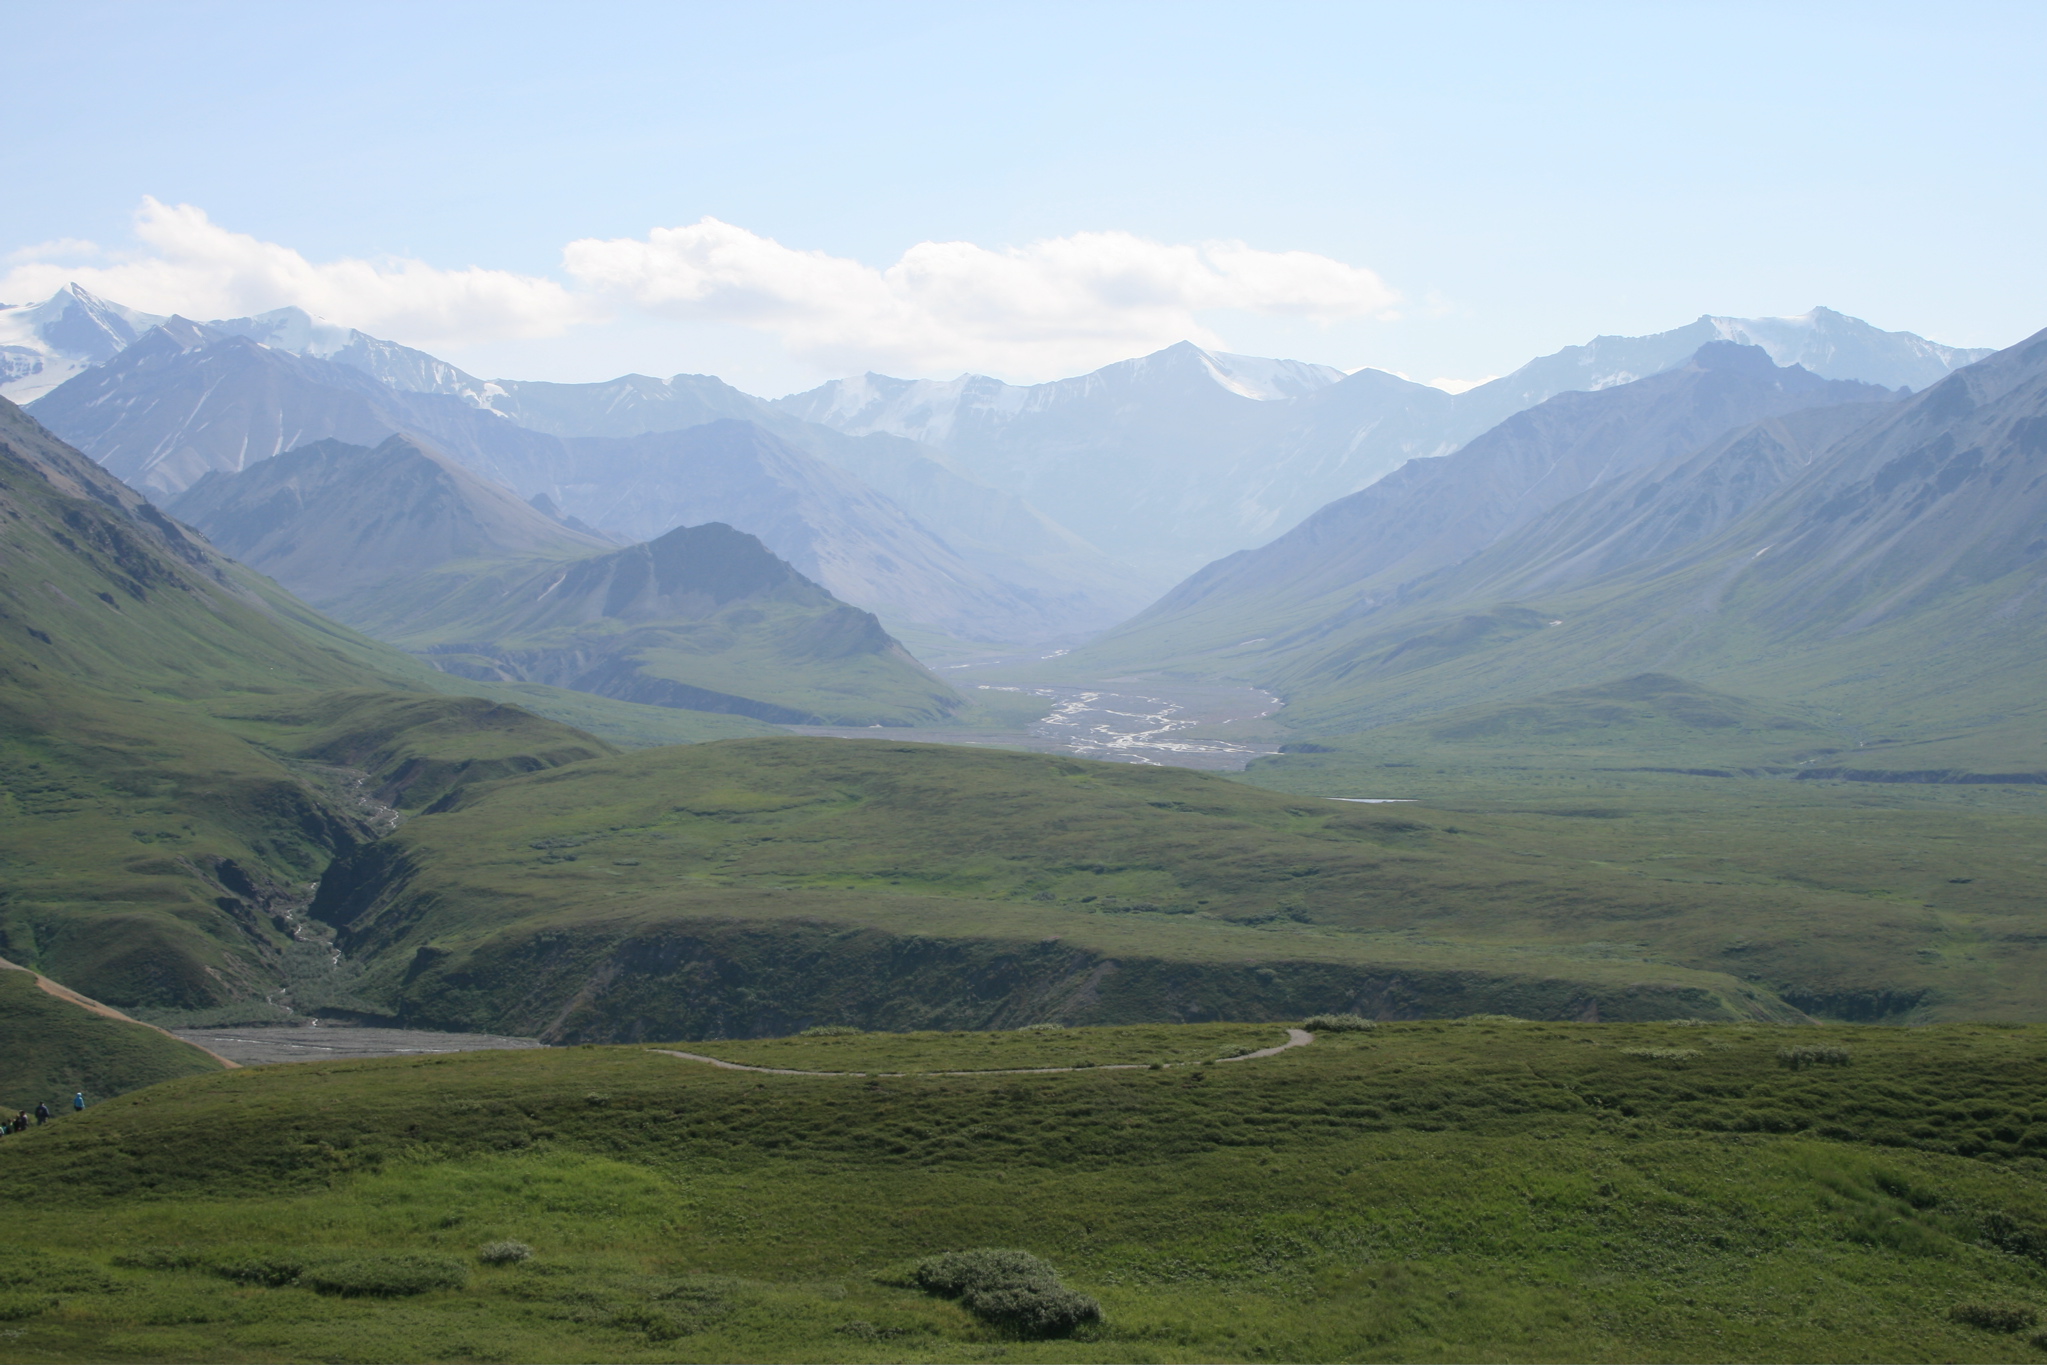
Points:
(1337, 1023)
(388, 1277)
(1799, 1058)
(160, 1258)
(1995, 1317)
(51, 1272)
(15, 1307)
(504, 1253)
(1662, 1054)
(1042, 1028)
(268, 1269)
(1010, 1289)
(829, 1031)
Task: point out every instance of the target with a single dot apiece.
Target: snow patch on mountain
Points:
(44, 344)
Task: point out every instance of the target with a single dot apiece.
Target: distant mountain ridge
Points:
(331, 521)
(1877, 564)
(1361, 552)
(1145, 470)
(185, 400)
(1173, 463)
(404, 544)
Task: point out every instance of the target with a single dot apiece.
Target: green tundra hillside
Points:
(1477, 1190)
(762, 886)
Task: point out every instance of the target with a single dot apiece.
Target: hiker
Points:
(42, 1114)
(21, 1122)
(78, 1101)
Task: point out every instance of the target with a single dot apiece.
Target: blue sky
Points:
(1443, 190)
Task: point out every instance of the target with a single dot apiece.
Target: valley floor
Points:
(1213, 727)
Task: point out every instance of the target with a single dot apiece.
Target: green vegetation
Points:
(756, 887)
(759, 887)
(184, 747)
(1003, 1049)
(1009, 1289)
(1445, 1191)
(55, 1049)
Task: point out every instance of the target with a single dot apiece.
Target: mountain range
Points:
(185, 400)
(1868, 560)
(1184, 456)
(1070, 504)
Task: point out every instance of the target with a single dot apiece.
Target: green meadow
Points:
(1474, 1190)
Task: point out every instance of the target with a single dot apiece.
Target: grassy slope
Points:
(148, 845)
(1427, 1192)
(55, 1048)
(760, 886)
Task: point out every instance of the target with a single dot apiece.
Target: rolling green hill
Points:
(1479, 1190)
(184, 746)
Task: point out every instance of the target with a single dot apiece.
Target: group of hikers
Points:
(19, 1123)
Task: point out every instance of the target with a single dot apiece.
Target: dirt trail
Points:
(86, 1002)
(1295, 1037)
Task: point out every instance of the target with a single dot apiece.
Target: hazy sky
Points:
(777, 193)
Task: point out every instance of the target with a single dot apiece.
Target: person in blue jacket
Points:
(78, 1100)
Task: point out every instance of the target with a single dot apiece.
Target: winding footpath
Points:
(1295, 1037)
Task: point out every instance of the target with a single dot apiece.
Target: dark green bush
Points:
(52, 1272)
(1337, 1023)
(265, 1268)
(388, 1277)
(160, 1258)
(504, 1253)
(1010, 1289)
(15, 1307)
(1799, 1058)
(1995, 1317)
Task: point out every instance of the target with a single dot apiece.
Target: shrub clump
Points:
(1995, 1317)
(388, 1277)
(1009, 1289)
(1661, 1054)
(1799, 1058)
(829, 1031)
(271, 1270)
(1042, 1028)
(1337, 1023)
(504, 1253)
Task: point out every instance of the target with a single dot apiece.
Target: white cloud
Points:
(1454, 386)
(197, 268)
(1054, 307)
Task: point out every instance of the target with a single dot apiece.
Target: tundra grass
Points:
(775, 884)
(1480, 1190)
(55, 1049)
(1002, 1049)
